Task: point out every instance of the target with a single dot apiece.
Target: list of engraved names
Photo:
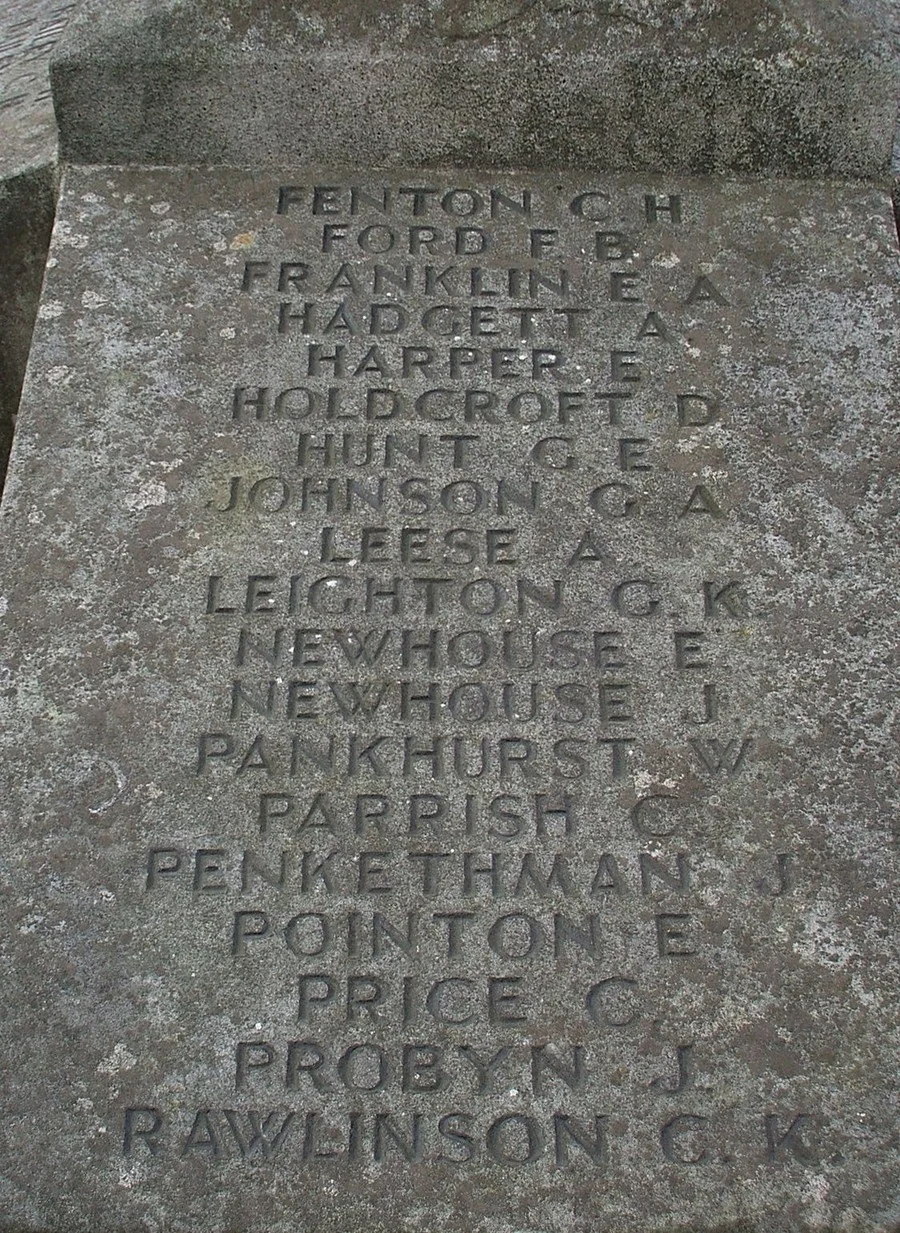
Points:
(482, 685)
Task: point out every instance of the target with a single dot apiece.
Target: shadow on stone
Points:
(27, 206)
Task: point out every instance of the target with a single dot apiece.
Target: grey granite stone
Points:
(885, 14)
(28, 32)
(559, 544)
(771, 86)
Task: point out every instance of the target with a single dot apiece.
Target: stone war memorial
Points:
(448, 596)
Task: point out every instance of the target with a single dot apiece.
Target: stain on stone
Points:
(27, 203)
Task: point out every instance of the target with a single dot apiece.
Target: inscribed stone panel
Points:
(446, 709)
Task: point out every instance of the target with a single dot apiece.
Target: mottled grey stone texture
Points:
(243, 870)
(28, 32)
(795, 87)
(885, 14)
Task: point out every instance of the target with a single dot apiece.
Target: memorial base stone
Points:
(447, 771)
(782, 87)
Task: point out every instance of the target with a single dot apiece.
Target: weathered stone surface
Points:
(28, 32)
(885, 15)
(678, 435)
(792, 88)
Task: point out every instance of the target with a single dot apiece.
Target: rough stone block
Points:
(446, 758)
(788, 88)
